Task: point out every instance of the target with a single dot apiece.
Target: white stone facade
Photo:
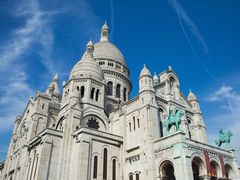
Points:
(93, 131)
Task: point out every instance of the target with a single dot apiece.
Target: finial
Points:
(190, 90)
(169, 68)
(155, 73)
(144, 65)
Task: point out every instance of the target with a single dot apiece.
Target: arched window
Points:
(109, 88)
(215, 169)
(229, 171)
(137, 176)
(92, 93)
(97, 95)
(82, 91)
(104, 33)
(95, 164)
(172, 82)
(125, 94)
(105, 164)
(134, 124)
(118, 91)
(35, 170)
(29, 167)
(160, 122)
(114, 169)
(138, 122)
(198, 168)
(189, 127)
(130, 127)
(167, 170)
(130, 177)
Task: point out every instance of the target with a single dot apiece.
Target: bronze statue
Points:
(224, 137)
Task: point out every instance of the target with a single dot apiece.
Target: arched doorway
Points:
(228, 171)
(197, 168)
(214, 170)
(167, 171)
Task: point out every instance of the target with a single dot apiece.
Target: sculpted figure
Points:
(173, 119)
(224, 137)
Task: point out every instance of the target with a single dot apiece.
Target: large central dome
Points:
(108, 65)
(106, 50)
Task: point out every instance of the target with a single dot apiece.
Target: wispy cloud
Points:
(35, 36)
(186, 20)
(222, 93)
(15, 89)
(23, 37)
(192, 35)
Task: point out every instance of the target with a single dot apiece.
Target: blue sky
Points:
(200, 39)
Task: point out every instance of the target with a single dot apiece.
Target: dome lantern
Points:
(105, 32)
(90, 47)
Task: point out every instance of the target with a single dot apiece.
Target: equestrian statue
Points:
(224, 137)
(173, 119)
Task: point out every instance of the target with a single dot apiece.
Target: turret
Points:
(192, 99)
(145, 81)
(199, 125)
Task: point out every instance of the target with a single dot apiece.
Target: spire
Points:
(90, 47)
(155, 79)
(53, 86)
(104, 33)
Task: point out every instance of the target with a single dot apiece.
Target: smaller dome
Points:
(87, 67)
(191, 96)
(145, 72)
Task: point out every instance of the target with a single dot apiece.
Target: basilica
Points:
(92, 130)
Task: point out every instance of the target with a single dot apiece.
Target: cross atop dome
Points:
(104, 33)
